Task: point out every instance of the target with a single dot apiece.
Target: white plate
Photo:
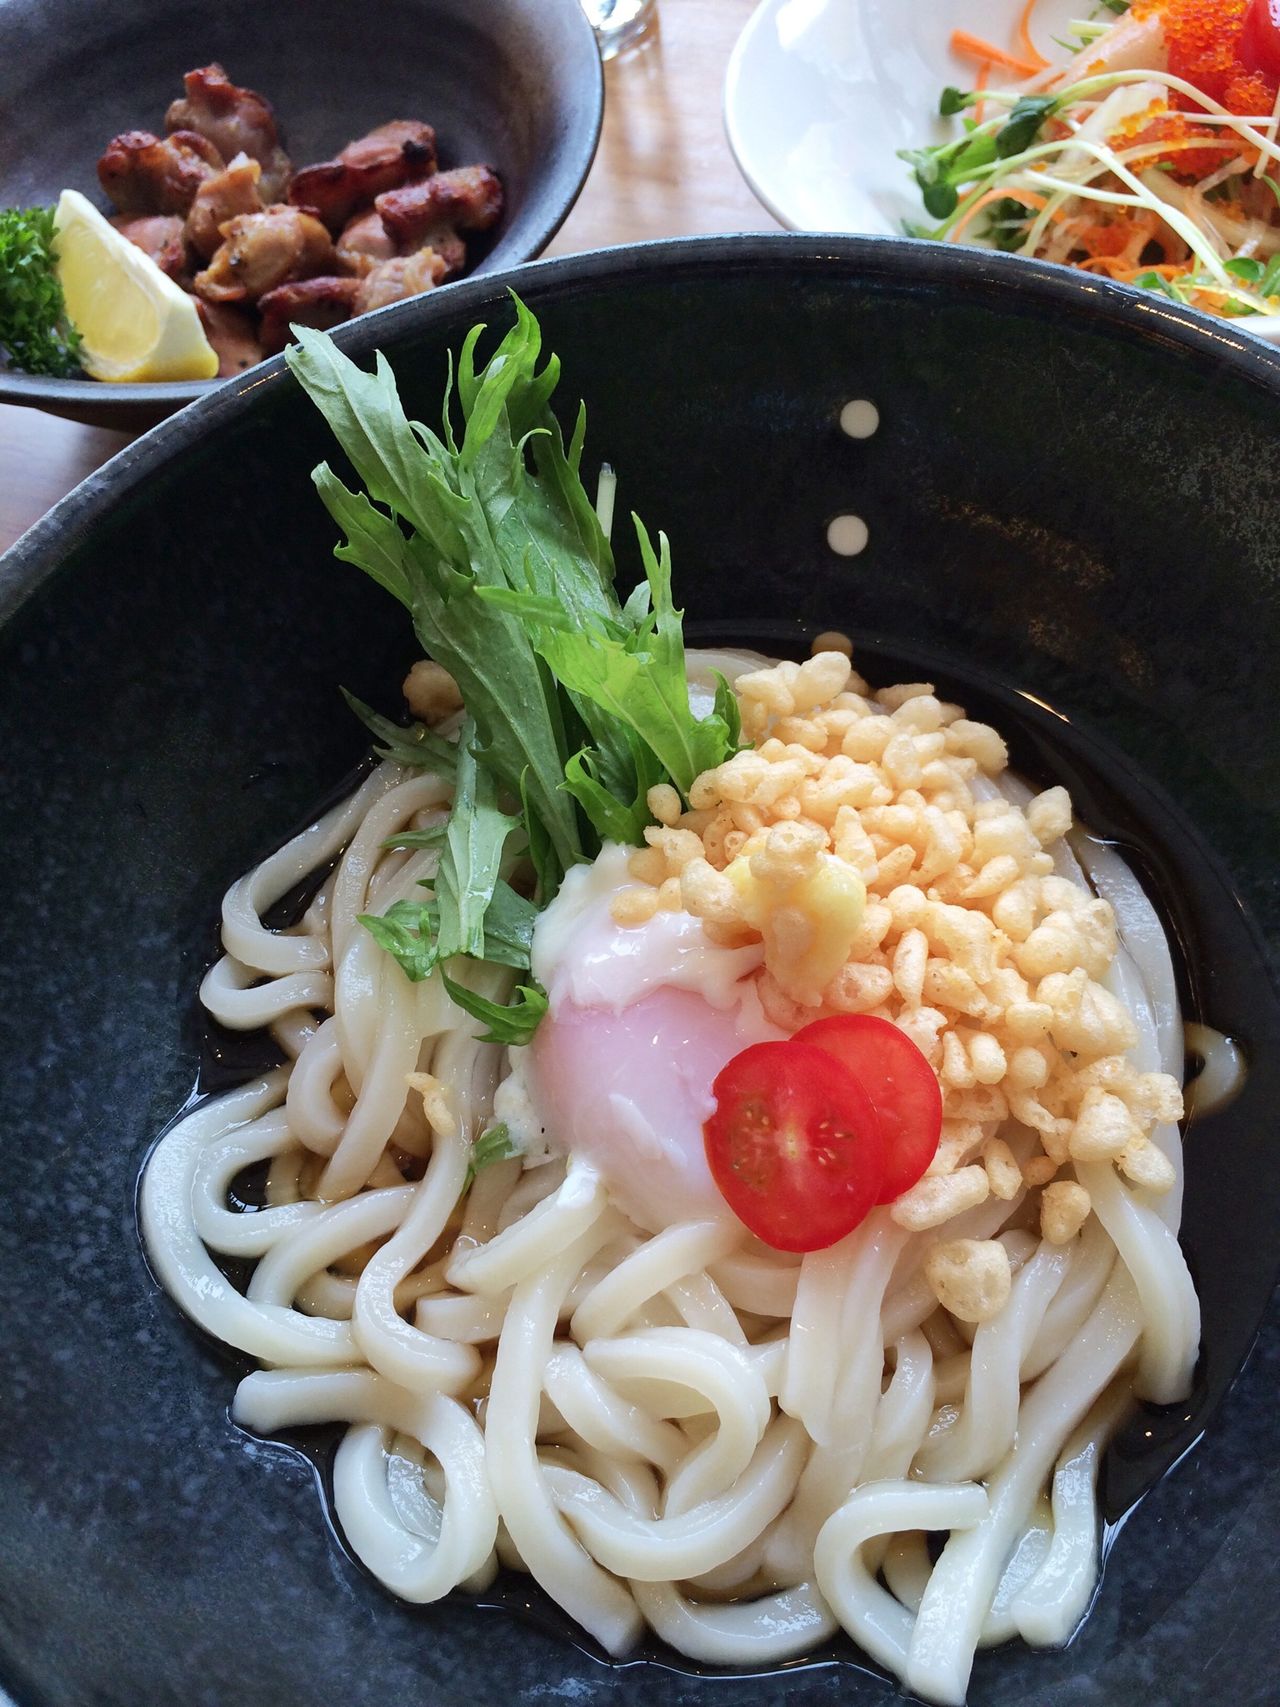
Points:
(821, 94)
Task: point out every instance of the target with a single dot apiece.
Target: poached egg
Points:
(640, 1021)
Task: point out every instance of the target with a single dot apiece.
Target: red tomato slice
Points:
(902, 1086)
(1260, 37)
(794, 1145)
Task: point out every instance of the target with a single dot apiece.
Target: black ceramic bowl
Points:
(1072, 502)
(516, 84)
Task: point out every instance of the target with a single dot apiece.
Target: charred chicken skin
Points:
(144, 174)
(322, 302)
(398, 153)
(469, 199)
(435, 212)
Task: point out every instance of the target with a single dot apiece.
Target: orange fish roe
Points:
(1187, 164)
(1156, 126)
(1251, 93)
(1106, 238)
(1203, 38)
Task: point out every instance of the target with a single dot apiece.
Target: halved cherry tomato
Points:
(794, 1145)
(902, 1086)
(1260, 38)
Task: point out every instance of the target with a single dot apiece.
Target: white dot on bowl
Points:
(860, 418)
(847, 535)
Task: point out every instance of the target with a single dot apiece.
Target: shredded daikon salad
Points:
(1151, 157)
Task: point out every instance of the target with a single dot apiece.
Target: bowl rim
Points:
(64, 396)
(940, 268)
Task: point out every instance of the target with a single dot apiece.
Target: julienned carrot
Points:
(1024, 196)
(973, 47)
(1024, 37)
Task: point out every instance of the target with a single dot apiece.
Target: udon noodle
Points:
(678, 1428)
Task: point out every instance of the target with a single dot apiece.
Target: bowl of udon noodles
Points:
(719, 1157)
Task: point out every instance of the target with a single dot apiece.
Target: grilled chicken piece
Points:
(262, 250)
(450, 248)
(220, 198)
(432, 213)
(469, 199)
(158, 235)
(414, 141)
(364, 242)
(322, 302)
(233, 334)
(144, 175)
(401, 152)
(392, 281)
(236, 121)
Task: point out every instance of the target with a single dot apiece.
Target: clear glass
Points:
(618, 22)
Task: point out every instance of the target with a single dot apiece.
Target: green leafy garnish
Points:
(577, 705)
(1023, 124)
(1245, 267)
(34, 329)
(508, 928)
(1157, 282)
(942, 170)
(634, 673)
(472, 854)
(410, 930)
(414, 745)
(406, 930)
(513, 1024)
(613, 820)
(939, 170)
(492, 1146)
(431, 838)
(1007, 221)
(955, 101)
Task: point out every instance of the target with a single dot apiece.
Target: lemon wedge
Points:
(135, 322)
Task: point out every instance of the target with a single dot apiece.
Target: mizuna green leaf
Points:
(492, 1146)
(413, 744)
(514, 1024)
(471, 855)
(407, 931)
(577, 705)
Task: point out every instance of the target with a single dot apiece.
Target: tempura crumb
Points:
(950, 921)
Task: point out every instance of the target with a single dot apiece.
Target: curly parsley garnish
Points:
(34, 330)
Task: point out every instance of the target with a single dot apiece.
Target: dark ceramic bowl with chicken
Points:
(354, 156)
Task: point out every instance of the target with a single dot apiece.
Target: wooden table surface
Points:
(663, 170)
